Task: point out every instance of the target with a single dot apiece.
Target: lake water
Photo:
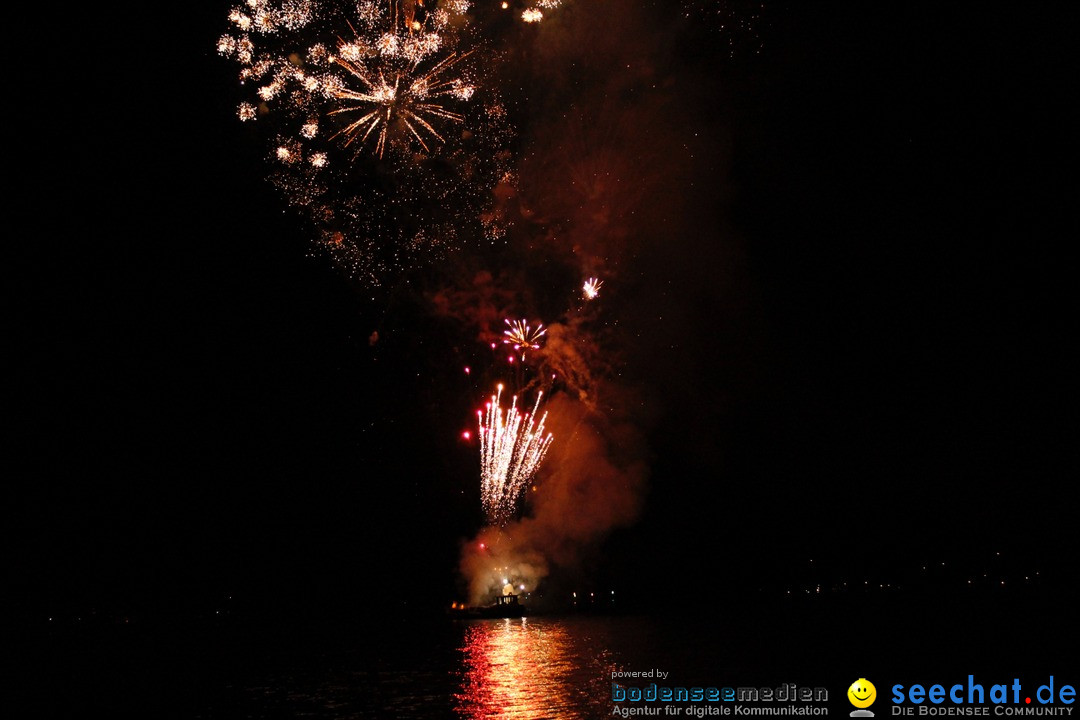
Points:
(500, 668)
(534, 667)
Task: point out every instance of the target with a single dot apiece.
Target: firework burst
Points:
(522, 337)
(535, 13)
(403, 98)
(591, 288)
(386, 79)
(384, 130)
(512, 446)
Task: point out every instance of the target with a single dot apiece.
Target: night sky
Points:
(851, 347)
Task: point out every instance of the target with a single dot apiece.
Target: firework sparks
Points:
(388, 78)
(512, 446)
(536, 14)
(354, 92)
(401, 98)
(523, 337)
(591, 288)
(737, 23)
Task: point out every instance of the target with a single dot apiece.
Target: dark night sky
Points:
(196, 410)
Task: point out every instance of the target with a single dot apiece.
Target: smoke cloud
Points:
(605, 180)
(593, 482)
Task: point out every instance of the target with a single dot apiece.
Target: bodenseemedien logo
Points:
(862, 694)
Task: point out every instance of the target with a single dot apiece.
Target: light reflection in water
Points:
(521, 668)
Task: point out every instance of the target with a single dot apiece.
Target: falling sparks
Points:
(591, 288)
(532, 15)
(512, 446)
(737, 24)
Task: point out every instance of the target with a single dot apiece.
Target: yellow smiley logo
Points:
(862, 693)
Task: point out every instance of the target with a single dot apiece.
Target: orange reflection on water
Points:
(517, 668)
